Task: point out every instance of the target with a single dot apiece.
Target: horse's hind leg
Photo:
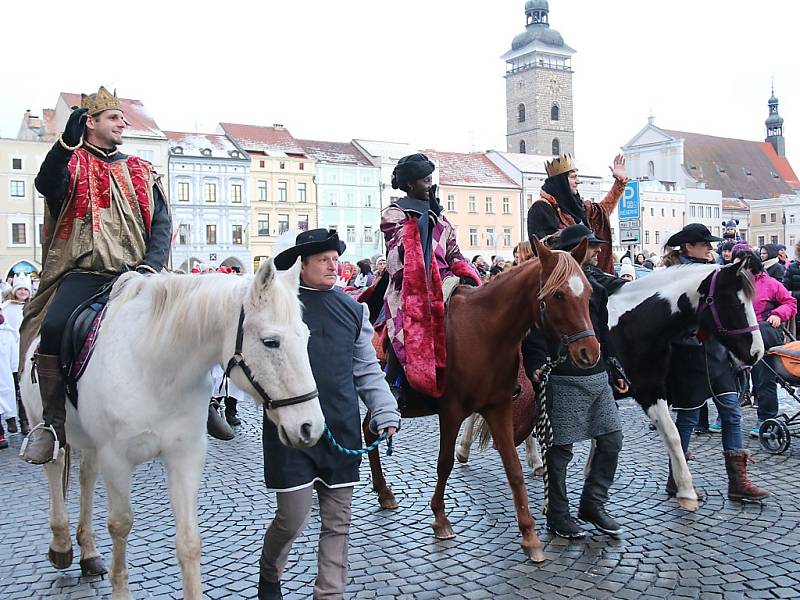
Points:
(659, 415)
(184, 470)
(385, 495)
(91, 561)
(500, 424)
(60, 550)
(465, 444)
(117, 476)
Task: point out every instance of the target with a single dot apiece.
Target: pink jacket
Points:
(770, 291)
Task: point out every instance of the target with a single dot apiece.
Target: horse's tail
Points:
(66, 471)
(483, 432)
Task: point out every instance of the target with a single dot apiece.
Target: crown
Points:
(560, 164)
(102, 100)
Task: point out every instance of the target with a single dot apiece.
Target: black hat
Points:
(692, 234)
(574, 234)
(308, 243)
(410, 168)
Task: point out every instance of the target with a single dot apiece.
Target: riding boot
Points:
(602, 469)
(22, 415)
(559, 521)
(739, 486)
(40, 445)
(216, 426)
(269, 590)
(230, 412)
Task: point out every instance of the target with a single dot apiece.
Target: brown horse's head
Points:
(563, 302)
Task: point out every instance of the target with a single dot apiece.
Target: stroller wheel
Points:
(774, 436)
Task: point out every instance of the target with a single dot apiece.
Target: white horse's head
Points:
(275, 346)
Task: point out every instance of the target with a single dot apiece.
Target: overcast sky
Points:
(426, 72)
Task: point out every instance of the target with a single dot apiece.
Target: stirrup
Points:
(56, 445)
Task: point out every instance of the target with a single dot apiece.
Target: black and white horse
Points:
(646, 315)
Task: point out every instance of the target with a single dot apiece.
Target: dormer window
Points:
(177, 150)
(205, 151)
(234, 154)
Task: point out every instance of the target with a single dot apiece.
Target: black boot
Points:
(602, 470)
(559, 520)
(42, 443)
(24, 428)
(269, 590)
(230, 412)
(216, 425)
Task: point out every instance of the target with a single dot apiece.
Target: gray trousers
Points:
(602, 470)
(291, 518)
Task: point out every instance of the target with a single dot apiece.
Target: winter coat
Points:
(773, 299)
(791, 279)
(773, 266)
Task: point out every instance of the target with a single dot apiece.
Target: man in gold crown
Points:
(560, 205)
(106, 214)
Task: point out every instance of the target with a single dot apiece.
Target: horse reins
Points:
(710, 302)
(237, 360)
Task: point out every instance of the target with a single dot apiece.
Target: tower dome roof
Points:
(536, 5)
(774, 120)
(537, 32)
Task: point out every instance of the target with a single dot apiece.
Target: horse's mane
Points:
(566, 267)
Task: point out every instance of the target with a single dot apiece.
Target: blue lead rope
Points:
(373, 446)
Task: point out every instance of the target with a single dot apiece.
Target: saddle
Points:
(79, 339)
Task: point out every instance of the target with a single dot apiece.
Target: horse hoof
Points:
(387, 502)
(535, 555)
(461, 458)
(443, 532)
(688, 504)
(60, 560)
(93, 567)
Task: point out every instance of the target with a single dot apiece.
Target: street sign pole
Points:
(630, 217)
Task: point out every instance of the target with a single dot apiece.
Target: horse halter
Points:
(710, 302)
(237, 360)
(566, 340)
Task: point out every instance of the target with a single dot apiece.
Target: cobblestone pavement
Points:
(725, 550)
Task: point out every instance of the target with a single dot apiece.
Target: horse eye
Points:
(271, 343)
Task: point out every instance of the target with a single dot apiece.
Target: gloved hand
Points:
(432, 199)
(75, 126)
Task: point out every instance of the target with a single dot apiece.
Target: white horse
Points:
(144, 395)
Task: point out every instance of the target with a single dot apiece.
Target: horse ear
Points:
(579, 251)
(264, 276)
(540, 250)
(292, 276)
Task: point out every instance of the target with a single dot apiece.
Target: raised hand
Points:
(618, 170)
(73, 130)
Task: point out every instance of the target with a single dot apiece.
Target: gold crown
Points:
(102, 100)
(560, 164)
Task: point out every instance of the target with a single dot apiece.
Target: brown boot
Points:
(672, 488)
(23, 416)
(42, 444)
(739, 486)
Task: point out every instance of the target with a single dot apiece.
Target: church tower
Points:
(774, 125)
(539, 87)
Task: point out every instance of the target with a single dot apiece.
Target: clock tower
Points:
(539, 87)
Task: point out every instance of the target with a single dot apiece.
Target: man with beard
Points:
(560, 205)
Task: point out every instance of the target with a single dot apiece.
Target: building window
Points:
(236, 193)
(556, 147)
(302, 166)
(507, 237)
(283, 165)
(522, 146)
(646, 237)
(652, 211)
(40, 229)
(708, 212)
(349, 199)
(506, 205)
(490, 241)
(351, 233)
(16, 164)
(236, 234)
(791, 222)
(283, 224)
(451, 203)
(489, 205)
(261, 191)
(302, 222)
(211, 234)
(651, 170)
(368, 201)
(210, 192)
(673, 212)
(368, 239)
(763, 220)
(145, 154)
(521, 113)
(691, 210)
(282, 191)
(662, 212)
(301, 191)
(554, 112)
(761, 241)
(17, 189)
(183, 234)
(19, 234)
(263, 225)
(792, 240)
(658, 237)
(773, 239)
(261, 164)
(773, 218)
(183, 191)
(471, 207)
(716, 212)
(473, 236)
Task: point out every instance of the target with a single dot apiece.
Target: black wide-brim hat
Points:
(574, 234)
(692, 233)
(308, 243)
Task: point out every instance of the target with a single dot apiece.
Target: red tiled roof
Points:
(258, 138)
(782, 166)
(334, 152)
(738, 168)
(139, 120)
(735, 204)
(472, 170)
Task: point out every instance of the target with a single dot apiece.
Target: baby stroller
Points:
(775, 434)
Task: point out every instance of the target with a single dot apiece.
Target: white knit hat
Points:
(20, 282)
(627, 269)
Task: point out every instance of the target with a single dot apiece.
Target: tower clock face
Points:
(554, 86)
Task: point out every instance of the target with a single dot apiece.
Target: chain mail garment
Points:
(581, 407)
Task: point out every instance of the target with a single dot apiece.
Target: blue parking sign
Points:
(629, 203)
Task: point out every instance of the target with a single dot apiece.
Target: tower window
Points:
(522, 146)
(651, 169)
(556, 147)
(521, 112)
(554, 112)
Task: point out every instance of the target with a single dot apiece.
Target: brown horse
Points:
(485, 326)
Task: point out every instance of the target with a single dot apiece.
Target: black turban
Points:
(411, 168)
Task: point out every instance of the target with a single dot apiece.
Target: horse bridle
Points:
(237, 360)
(710, 302)
(566, 340)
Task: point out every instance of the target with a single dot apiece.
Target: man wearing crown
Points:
(560, 205)
(106, 214)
